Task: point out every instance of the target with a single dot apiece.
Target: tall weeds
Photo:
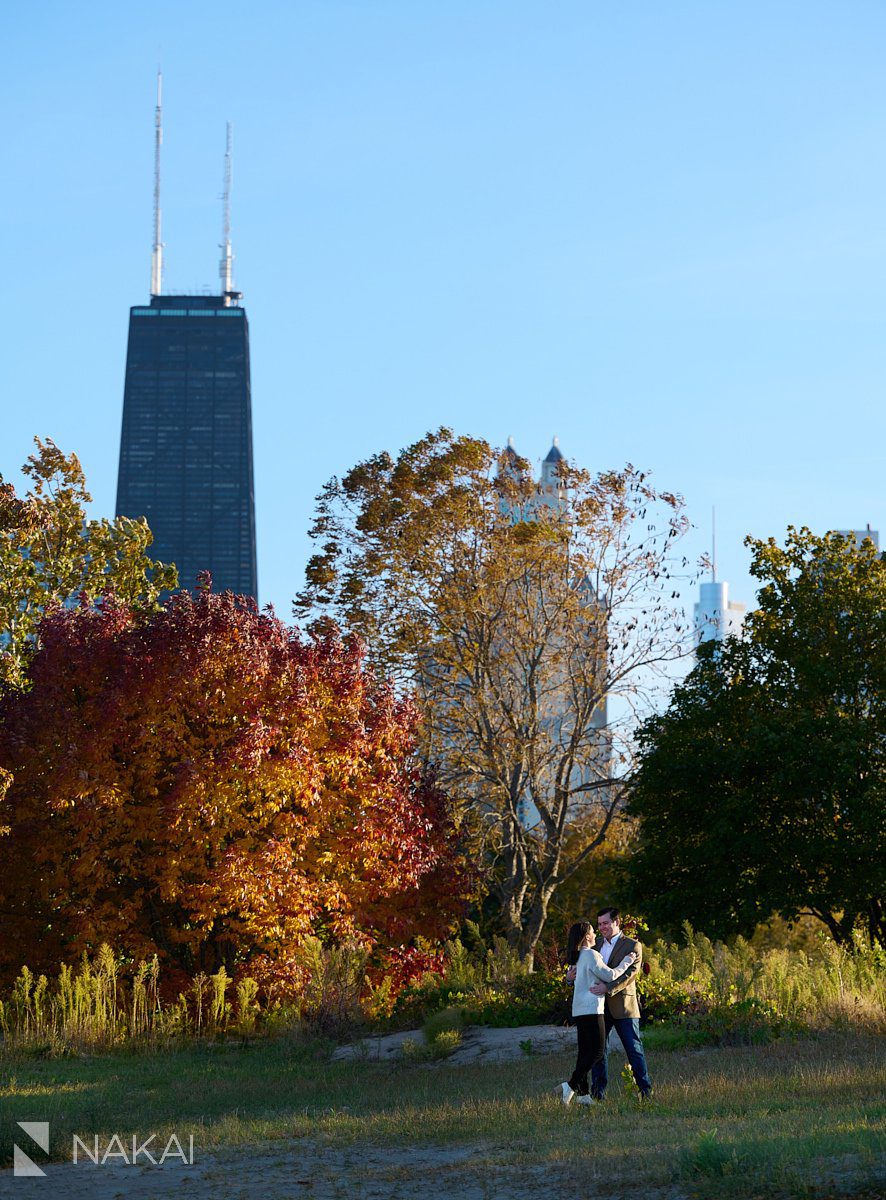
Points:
(334, 984)
(102, 1004)
(830, 985)
(106, 1001)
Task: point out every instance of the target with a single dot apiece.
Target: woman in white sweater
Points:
(587, 1009)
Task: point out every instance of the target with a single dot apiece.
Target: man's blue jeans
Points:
(628, 1029)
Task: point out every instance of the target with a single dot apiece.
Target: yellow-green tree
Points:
(51, 554)
(518, 616)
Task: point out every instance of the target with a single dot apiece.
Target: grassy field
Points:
(797, 1118)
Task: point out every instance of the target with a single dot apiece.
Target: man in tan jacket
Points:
(622, 1008)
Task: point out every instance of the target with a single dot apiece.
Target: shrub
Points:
(528, 999)
(443, 1045)
(663, 999)
(747, 1022)
(447, 1020)
(330, 1001)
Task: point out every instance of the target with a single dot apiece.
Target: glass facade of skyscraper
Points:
(186, 443)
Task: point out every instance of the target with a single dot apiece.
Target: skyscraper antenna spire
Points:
(157, 252)
(713, 544)
(226, 266)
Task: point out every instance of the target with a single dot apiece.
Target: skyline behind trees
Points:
(517, 618)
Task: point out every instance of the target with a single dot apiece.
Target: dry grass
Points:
(784, 1118)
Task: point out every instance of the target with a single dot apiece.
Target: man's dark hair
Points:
(611, 913)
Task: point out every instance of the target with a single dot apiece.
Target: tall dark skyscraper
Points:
(186, 446)
(186, 443)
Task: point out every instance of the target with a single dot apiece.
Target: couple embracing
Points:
(603, 971)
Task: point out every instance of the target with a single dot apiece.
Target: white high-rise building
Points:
(862, 535)
(556, 715)
(716, 616)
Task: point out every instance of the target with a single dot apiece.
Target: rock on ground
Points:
(479, 1043)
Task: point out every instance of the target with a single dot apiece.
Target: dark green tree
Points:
(762, 788)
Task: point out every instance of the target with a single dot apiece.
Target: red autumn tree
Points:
(203, 783)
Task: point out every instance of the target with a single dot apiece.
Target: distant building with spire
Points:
(550, 485)
(716, 616)
(186, 439)
(862, 535)
(551, 492)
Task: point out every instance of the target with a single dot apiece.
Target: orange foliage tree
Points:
(204, 783)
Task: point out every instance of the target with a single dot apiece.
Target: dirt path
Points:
(296, 1169)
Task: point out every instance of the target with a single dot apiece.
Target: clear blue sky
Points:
(657, 230)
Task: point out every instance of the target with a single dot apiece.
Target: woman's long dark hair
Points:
(576, 933)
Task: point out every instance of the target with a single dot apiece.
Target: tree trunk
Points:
(841, 931)
(877, 921)
(512, 893)
(532, 930)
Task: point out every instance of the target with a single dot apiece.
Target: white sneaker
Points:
(565, 1092)
(589, 1100)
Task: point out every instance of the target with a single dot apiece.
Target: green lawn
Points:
(798, 1118)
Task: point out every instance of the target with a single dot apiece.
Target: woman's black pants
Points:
(591, 1050)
